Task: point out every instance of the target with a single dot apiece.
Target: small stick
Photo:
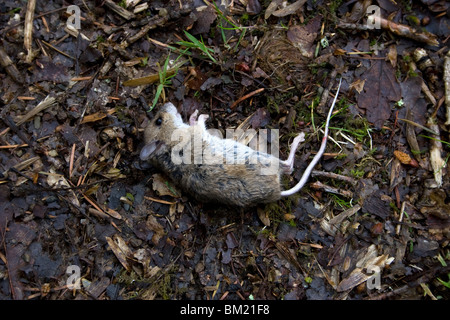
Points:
(72, 155)
(9, 121)
(332, 175)
(158, 21)
(12, 146)
(159, 200)
(446, 78)
(25, 98)
(28, 30)
(81, 78)
(251, 94)
(396, 28)
(127, 15)
(320, 186)
(402, 211)
(57, 50)
(10, 67)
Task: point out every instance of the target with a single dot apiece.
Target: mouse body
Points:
(213, 169)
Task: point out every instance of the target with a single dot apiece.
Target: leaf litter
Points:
(373, 223)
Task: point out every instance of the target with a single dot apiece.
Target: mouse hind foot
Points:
(288, 164)
(201, 119)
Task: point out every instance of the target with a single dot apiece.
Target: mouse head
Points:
(158, 133)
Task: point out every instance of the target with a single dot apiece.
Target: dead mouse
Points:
(213, 169)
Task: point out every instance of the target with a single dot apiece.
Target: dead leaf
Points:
(120, 250)
(395, 178)
(369, 265)
(163, 186)
(358, 85)
(50, 71)
(303, 36)
(253, 7)
(263, 216)
(380, 92)
(290, 9)
(98, 116)
(113, 173)
(58, 181)
(339, 52)
(153, 225)
(143, 257)
(355, 278)
(271, 8)
(392, 55)
(113, 213)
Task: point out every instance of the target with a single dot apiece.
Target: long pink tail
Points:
(317, 157)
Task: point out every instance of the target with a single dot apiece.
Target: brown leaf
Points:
(163, 186)
(380, 91)
(97, 116)
(253, 7)
(358, 85)
(290, 9)
(392, 55)
(156, 227)
(263, 216)
(395, 178)
(120, 250)
(303, 37)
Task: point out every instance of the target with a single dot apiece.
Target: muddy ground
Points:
(81, 217)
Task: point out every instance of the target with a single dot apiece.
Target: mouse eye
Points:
(158, 121)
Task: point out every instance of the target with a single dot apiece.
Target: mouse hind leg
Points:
(193, 118)
(288, 164)
(201, 119)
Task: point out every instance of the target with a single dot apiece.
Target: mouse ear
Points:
(148, 149)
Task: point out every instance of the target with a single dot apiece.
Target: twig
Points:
(407, 31)
(398, 29)
(74, 32)
(332, 175)
(13, 146)
(402, 212)
(152, 24)
(28, 30)
(72, 155)
(320, 186)
(446, 78)
(436, 161)
(10, 123)
(57, 50)
(251, 94)
(11, 69)
(159, 200)
(127, 15)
